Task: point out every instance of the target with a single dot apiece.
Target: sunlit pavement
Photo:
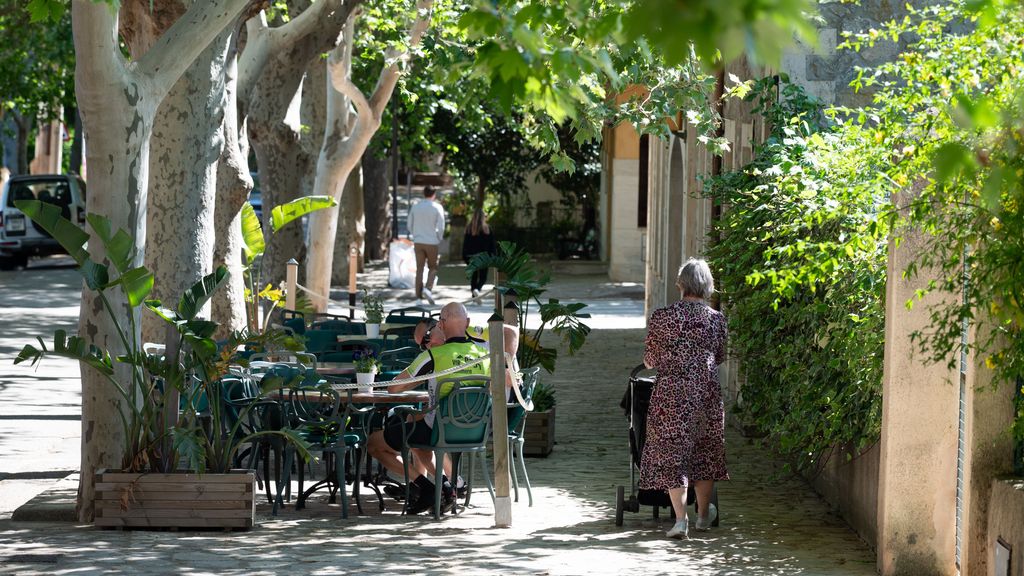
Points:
(770, 522)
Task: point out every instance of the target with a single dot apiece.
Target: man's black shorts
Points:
(421, 433)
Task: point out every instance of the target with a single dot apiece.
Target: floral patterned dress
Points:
(686, 419)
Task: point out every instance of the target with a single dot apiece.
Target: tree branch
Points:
(95, 37)
(389, 75)
(177, 48)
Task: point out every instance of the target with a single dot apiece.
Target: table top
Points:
(379, 396)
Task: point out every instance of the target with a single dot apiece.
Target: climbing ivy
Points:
(801, 265)
(802, 249)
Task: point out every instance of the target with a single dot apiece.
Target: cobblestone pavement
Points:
(770, 522)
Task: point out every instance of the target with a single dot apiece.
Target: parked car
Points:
(255, 196)
(20, 237)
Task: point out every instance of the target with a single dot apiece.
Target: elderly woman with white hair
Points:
(686, 419)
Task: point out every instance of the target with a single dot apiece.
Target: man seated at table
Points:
(426, 336)
(386, 445)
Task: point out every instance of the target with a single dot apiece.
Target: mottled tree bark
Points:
(118, 101)
(377, 205)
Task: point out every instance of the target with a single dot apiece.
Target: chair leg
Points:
(288, 455)
(487, 477)
(357, 455)
(264, 450)
(339, 469)
(405, 467)
(522, 462)
(515, 474)
(469, 478)
(438, 481)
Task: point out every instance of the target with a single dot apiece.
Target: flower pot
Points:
(539, 433)
(175, 500)
(365, 380)
(372, 330)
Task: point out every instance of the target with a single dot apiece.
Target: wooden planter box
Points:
(539, 434)
(177, 500)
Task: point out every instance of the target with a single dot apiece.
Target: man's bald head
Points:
(454, 320)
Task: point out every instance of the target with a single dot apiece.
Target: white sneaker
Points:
(680, 530)
(704, 522)
(428, 296)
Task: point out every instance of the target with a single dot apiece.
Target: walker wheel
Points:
(620, 504)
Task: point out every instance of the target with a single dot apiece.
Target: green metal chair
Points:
(409, 315)
(517, 414)
(316, 413)
(462, 424)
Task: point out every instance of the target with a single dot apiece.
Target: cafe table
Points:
(376, 403)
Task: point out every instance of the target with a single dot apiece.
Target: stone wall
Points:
(1006, 523)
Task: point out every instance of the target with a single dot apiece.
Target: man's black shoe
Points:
(461, 492)
(422, 504)
(448, 501)
(397, 491)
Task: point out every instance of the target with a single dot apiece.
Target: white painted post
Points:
(291, 281)
(499, 424)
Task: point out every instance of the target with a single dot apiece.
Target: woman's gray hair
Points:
(695, 279)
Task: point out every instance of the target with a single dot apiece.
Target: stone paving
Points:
(771, 523)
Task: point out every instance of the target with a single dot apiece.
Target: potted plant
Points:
(373, 308)
(539, 434)
(150, 490)
(367, 365)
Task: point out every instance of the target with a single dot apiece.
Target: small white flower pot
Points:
(365, 380)
(372, 330)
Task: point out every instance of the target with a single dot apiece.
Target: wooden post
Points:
(353, 264)
(291, 284)
(511, 308)
(499, 425)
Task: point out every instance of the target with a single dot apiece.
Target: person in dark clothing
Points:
(478, 239)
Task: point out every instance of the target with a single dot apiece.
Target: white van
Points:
(19, 236)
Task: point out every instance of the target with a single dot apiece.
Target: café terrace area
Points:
(770, 521)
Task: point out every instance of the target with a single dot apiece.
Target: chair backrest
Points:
(463, 417)
(372, 344)
(408, 315)
(340, 326)
(319, 410)
(319, 341)
(404, 331)
(516, 411)
(398, 358)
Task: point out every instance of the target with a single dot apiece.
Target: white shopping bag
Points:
(402, 264)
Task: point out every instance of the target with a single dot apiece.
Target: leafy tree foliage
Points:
(37, 64)
(949, 111)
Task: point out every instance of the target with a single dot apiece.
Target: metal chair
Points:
(409, 315)
(517, 414)
(462, 424)
(316, 413)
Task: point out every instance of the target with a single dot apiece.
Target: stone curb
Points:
(55, 504)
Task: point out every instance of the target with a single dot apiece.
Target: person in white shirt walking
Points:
(426, 224)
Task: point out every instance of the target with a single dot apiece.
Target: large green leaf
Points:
(137, 283)
(190, 445)
(97, 276)
(158, 308)
(74, 348)
(71, 237)
(193, 300)
(118, 246)
(285, 213)
(252, 234)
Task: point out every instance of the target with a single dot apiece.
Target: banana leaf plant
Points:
(562, 318)
(196, 370)
(255, 244)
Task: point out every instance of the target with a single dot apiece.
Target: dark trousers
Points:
(477, 279)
